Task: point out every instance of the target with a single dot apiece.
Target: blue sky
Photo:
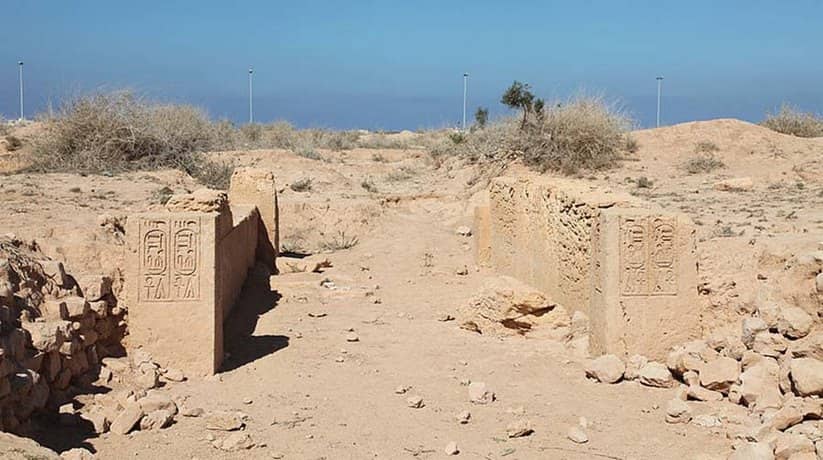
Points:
(395, 65)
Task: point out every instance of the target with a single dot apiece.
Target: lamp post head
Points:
(251, 70)
(465, 74)
(659, 78)
(20, 63)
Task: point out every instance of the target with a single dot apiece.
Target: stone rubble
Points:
(774, 368)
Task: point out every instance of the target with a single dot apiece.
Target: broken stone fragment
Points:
(759, 385)
(415, 402)
(807, 376)
(463, 417)
(479, 393)
(236, 441)
(224, 421)
(655, 374)
(606, 369)
(451, 449)
(464, 231)
(753, 451)
(94, 287)
(519, 428)
(633, 366)
(720, 374)
(577, 435)
(789, 445)
(794, 322)
(127, 419)
(769, 344)
(751, 327)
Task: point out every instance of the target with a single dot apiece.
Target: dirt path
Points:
(311, 394)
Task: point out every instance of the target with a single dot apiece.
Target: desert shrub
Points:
(13, 143)
(113, 132)
(162, 195)
(790, 120)
(457, 137)
(280, 135)
(631, 145)
(481, 116)
(378, 157)
(339, 241)
(5, 128)
(644, 182)
(302, 185)
(251, 132)
(705, 147)
(306, 150)
(703, 163)
(368, 185)
(404, 173)
(224, 135)
(582, 133)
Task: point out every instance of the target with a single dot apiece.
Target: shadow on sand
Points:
(256, 299)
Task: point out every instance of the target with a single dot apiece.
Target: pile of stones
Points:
(54, 331)
(774, 368)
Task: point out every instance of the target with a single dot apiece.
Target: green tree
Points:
(519, 96)
(481, 116)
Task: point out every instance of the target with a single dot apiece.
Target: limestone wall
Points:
(54, 330)
(558, 235)
(187, 265)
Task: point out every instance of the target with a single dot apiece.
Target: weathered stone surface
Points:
(224, 421)
(788, 445)
(577, 435)
(736, 184)
(17, 448)
(769, 344)
(654, 374)
(155, 401)
(156, 420)
(606, 369)
(633, 366)
(237, 441)
(78, 453)
(807, 376)
(759, 385)
(678, 411)
(752, 326)
(753, 451)
(127, 419)
(719, 374)
(794, 322)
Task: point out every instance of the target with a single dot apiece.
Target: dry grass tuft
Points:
(582, 133)
(114, 132)
(790, 120)
(703, 163)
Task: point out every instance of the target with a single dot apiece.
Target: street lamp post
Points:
(659, 94)
(465, 89)
(20, 65)
(251, 107)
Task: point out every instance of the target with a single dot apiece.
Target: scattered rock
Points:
(788, 445)
(237, 441)
(519, 428)
(464, 231)
(807, 376)
(655, 374)
(174, 375)
(577, 435)
(737, 184)
(224, 421)
(402, 389)
(706, 421)
(463, 417)
(156, 420)
(443, 317)
(606, 369)
(415, 402)
(127, 419)
(678, 411)
(794, 322)
(633, 366)
(451, 449)
(352, 337)
(720, 374)
(753, 451)
(480, 394)
(752, 326)
(78, 453)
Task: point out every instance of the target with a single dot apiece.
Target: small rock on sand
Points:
(577, 435)
(519, 428)
(451, 449)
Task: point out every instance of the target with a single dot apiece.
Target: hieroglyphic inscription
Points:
(169, 259)
(648, 261)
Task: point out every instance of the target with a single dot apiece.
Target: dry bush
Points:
(5, 128)
(114, 132)
(703, 163)
(302, 185)
(631, 145)
(705, 147)
(790, 120)
(13, 143)
(582, 133)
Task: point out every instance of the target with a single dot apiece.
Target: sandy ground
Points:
(309, 393)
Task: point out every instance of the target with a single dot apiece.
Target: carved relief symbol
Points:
(663, 257)
(154, 287)
(154, 251)
(633, 253)
(185, 251)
